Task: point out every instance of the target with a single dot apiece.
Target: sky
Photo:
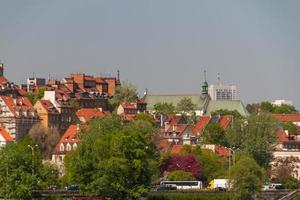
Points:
(161, 45)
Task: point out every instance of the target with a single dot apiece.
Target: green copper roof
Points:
(199, 100)
(215, 105)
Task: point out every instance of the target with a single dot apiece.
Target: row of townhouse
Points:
(55, 109)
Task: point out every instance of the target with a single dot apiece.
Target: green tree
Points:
(186, 106)
(180, 175)
(145, 117)
(34, 97)
(253, 108)
(247, 178)
(234, 135)
(214, 134)
(222, 112)
(124, 94)
(255, 136)
(259, 136)
(284, 109)
(114, 160)
(266, 106)
(22, 171)
(212, 165)
(290, 127)
(164, 108)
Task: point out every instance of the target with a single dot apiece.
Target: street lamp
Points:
(32, 155)
(233, 150)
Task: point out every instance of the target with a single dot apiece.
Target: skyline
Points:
(161, 45)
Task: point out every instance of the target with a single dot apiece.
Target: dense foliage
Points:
(214, 134)
(247, 178)
(22, 171)
(223, 112)
(114, 160)
(255, 137)
(164, 108)
(212, 165)
(180, 175)
(186, 106)
(266, 106)
(125, 93)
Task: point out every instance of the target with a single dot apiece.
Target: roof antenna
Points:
(219, 78)
(205, 75)
(118, 75)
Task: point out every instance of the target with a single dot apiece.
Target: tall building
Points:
(222, 92)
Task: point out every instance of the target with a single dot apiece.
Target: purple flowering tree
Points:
(187, 163)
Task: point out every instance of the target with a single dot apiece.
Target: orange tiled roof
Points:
(99, 80)
(3, 80)
(164, 145)
(48, 106)
(17, 103)
(287, 117)
(201, 124)
(225, 121)
(176, 149)
(7, 137)
(127, 117)
(281, 136)
(222, 151)
(21, 92)
(89, 113)
(70, 136)
(129, 105)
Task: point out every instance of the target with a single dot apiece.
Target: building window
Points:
(62, 147)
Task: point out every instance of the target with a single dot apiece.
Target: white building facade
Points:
(222, 92)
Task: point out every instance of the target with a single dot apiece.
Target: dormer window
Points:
(62, 147)
(69, 148)
(74, 146)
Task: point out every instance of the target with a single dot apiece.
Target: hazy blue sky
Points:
(162, 45)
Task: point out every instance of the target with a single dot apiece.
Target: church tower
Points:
(205, 85)
(1, 69)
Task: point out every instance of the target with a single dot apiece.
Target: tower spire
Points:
(205, 85)
(118, 75)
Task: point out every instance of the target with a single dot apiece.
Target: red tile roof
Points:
(222, 151)
(180, 128)
(201, 124)
(7, 137)
(164, 145)
(100, 80)
(127, 117)
(176, 149)
(129, 105)
(281, 136)
(287, 117)
(17, 103)
(225, 121)
(48, 106)
(70, 136)
(21, 92)
(89, 113)
(3, 80)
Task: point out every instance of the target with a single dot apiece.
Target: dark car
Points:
(166, 187)
(72, 188)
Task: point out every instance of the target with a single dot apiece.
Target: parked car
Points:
(72, 188)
